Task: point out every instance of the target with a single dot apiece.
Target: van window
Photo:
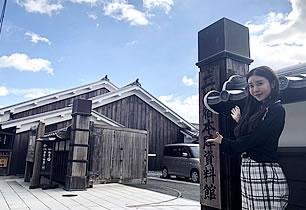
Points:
(175, 151)
(195, 152)
(167, 151)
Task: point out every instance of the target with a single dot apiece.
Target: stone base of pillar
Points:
(75, 183)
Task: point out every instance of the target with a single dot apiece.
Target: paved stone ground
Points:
(174, 187)
(15, 194)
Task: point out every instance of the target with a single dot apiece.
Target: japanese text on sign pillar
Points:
(208, 129)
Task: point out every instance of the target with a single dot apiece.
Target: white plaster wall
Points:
(294, 134)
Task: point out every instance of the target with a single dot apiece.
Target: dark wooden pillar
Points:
(78, 151)
(35, 181)
(30, 154)
(223, 50)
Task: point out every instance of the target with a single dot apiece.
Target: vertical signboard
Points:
(210, 189)
(31, 144)
(223, 50)
(46, 156)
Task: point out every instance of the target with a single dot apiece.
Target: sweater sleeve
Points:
(269, 129)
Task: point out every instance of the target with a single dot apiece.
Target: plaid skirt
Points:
(263, 186)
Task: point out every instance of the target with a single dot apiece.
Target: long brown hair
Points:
(254, 110)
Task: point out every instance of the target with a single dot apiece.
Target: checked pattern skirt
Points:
(263, 186)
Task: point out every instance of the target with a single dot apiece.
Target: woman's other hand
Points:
(235, 113)
(218, 139)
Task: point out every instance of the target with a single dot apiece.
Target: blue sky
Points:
(51, 45)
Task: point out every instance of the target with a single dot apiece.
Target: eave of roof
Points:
(63, 134)
(52, 117)
(16, 108)
(297, 81)
(192, 134)
(292, 70)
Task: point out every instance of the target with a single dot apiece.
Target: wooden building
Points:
(130, 106)
(292, 145)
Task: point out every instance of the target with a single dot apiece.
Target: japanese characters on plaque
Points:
(31, 144)
(210, 162)
(46, 157)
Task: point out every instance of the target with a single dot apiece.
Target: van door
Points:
(173, 159)
(184, 162)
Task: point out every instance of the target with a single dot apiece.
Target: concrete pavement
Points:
(15, 194)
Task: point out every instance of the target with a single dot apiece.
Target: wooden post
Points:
(30, 154)
(35, 182)
(78, 150)
(28, 170)
(223, 50)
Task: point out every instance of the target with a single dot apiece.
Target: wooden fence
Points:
(118, 154)
(60, 159)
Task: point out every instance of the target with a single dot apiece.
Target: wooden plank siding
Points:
(59, 104)
(19, 153)
(57, 126)
(118, 154)
(133, 112)
(21, 144)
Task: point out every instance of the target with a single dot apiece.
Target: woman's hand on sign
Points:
(235, 113)
(218, 139)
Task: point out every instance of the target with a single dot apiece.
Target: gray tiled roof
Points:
(63, 133)
(193, 134)
(234, 89)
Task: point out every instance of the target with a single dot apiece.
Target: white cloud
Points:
(188, 81)
(121, 10)
(92, 2)
(3, 91)
(92, 16)
(164, 4)
(131, 43)
(35, 93)
(22, 62)
(187, 108)
(281, 40)
(35, 38)
(41, 6)
(31, 92)
(97, 25)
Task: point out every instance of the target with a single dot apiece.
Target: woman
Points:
(263, 183)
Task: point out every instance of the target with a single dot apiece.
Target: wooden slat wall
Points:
(19, 153)
(100, 151)
(57, 126)
(133, 112)
(118, 154)
(59, 104)
(21, 144)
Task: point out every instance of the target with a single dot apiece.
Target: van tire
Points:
(165, 173)
(194, 176)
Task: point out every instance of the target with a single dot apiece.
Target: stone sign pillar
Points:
(78, 150)
(223, 50)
